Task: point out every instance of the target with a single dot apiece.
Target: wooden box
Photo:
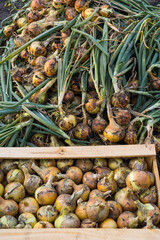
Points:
(128, 151)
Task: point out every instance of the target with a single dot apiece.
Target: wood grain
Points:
(80, 234)
(78, 152)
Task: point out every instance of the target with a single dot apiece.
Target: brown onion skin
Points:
(98, 213)
(82, 131)
(115, 209)
(69, 2)
(37, 4)
(95, 193)
(127, 220)
(15, 191)
(138, 164)
(105, 184)
(7, 165)
(50, 67)
(79, 54)
(98, 125)
(68, 97)
(64, 200)
(75, 174)
(86, 191)
(149, 196)
(126, 198)
(102, 172)
(47, 213)
(85, 165)
(18, 74)
(120, 175)
(75, 85)
(87, 223)
(8, 207)
(90, 179)
(152, 178)
(64, 164)
(33, 16)
(34, 29)
(120, 100)
(64, 186)
(28, 204)
(70, 13)
(80, 211)
(123, 117)
(138, 180)
(40, 61)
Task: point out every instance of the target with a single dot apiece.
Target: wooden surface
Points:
(80, 234)
(78, 152)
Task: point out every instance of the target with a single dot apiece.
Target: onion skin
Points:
(87, 223)
(38, 78)
(15, 191)
(98, 125)
(85, 188)
(73, 173)
(8, 207)
(106, 11)
(37, 4)
(28, 204)
(88, 12)
(120, 175)
(149, 196)
(68, 220)
(81, 5)
(69, 96)
(8, 222)
(1, 175)
(92, 105)
(1, 190)
(85, 165)
(114, 163)
(9, 30)
(127, 220)
(120, 100)
(7, 165)
(26, 219)
(108, 223)
(97, 209)
(90, 179)
(115, 209)
(126, 198)
(107, 183)
(50, 67)
(79, 54)
(18, 74)
(70, 13)
(138, 164)
(68, 122)
(15, 175)
(100, 162)
(64, 164)
(131, 135)
(82, 131)
(47, 213)
(138, 181)
(64, 186)
(43, 224)
(123, 117)
(95, 193)
(33, 16)
(80, 211)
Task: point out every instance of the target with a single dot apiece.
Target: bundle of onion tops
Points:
(80, 72)
(82, 193)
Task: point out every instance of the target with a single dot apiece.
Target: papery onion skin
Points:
(87, 223)
(82, 131)
(127, 220)
(68, 122)
(149, 196)
(115, 209)
(120, 100)
(50, 67)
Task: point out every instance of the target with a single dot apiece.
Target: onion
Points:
(69, 2)
(82, 131)
(131, 135)
(149, 224)
(138, 164)
(9, 30)
(120, 175)
(37, 4)
(138, 181)
(43, 224)
(108, 223)
(126, 198)
(98, 194)
(155, 81)
(50, 67)
(27, 163)
(100, 162)
(68, 122)
(45, 173)
(21, 39)
(7, 165)
(80, 210)
(65, 186)
(26, 220)
(85, 188)
(98, 125)
(64, 164)
(38, 139)
(120, 99)
(24, 54)
(87, 223)
(7, 222)
(73, 173)
(15, 175)
(1, 190)
(67, 220)
(102, 172)
(38, 78)
(152, 178)
(75, 85)
(85, 165)
(21, 22)
(37, 48)
(81, 5)
(113, 132)
(8, 207)
(28, 204)
(88, 12)
(107, 184)
(47, 213)
(106, 11)
(149, 196)
(115, 209)
(69, 96)
(70, 13)
(80, 51)
(18, 74)
(90, 179)
(133, 84)
(58, 4)
(1, 175)
(123, 117)
(33, 16)
(97, 209)
(127, 220)
(148, 210)
(15, 191)
(46, 194)
(47, 163)
(114, 163)
(31, 182)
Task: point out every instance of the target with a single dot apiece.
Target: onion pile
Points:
(81, 193)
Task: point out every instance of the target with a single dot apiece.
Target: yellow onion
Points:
(37, 49)
(69, 96)
(123, 117)
(113, 132)
(28, 204)
(155, 81)
(120, 99)
(127, 220)
(69, 2)
(47, 213)
(97, 209)
(40, 61)
(133, 84)
(114, 163)
(67, 220)
(33, 16)
(44, 163)
(138, 181)
(7, 165)
(98, 194)
(57, 4)
(70, 13)
(125, 197)
(90, 179)
(8, 207)
(26, 220)
(80, 210)
(149, 196)
(82, 131)
(106, 11)
(120, 175)
(18, 74)
(43, 224)
(67, 122)
(131, 135)
(21, 22)
(37, 4)
(38, 78)
(108, 223)
(21, 39)
(73, 173)
(64, 186)
(84, 188)
(64, 164)
(98, 125)
(34, 29)
(15, 191)
(107, 184)
(38, 139)
(85, 165)
(115, 209)
(81, 5)
(8, 222)
(138, 164)
(50, 67)
(1, 190)
(24, 54)
(100, 162)
(27, 163)
(149, 224)
(46, 194)
(103, 171)
(88, 12)
(92, 105)
(148, 210)
(9, 30)
(87, 223)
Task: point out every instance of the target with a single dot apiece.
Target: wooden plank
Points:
(157, 179)
(78, 152)
(80, 234)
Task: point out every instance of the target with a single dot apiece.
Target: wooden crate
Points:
(147, 151)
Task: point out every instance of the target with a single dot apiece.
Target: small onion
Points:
(120, 99)
(123, 117)
(98, 125)
(70, 13)
(15, 191)
(43, 224)
(87, 223)
(106, 11)
(37, 48)
(80, 210)
(149, 196)
(90, 179)
(81, 5)
(28, 204)
(68, 122)
(47, 213)
(82, 131)
(33, 16)
(9, 30)
(120, 175)
(8, 222)
(37, 4)
(115, 209)
(64, 164)
(108, 223)
(50, 67)
(38, 78)
(73, 173)
(127, 220)
(26, 220)
(85, 165)
(88, 12)
(138, 164)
